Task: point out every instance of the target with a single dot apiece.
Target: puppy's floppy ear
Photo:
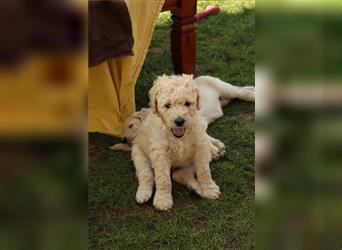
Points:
(198, 105)
(153, 98)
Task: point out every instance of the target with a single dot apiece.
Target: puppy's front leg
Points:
(208, 187)
(144, 174)
(162, 171)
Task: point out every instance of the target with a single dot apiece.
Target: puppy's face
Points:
(175, 100)
(133, 125)
(131, 130)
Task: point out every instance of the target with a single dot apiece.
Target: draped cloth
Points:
(110, 30)
(111, 84)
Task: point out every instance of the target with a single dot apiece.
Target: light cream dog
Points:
(173, 134)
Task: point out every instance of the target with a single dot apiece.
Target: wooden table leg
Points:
(183, 37)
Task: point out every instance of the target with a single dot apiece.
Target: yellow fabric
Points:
(43, 95)
(112, 83)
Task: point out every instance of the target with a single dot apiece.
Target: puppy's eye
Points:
(187, 104)
(168, 105)
(130, 126)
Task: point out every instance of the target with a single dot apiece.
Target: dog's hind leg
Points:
(186, 177)
(246, 93)
(144, 174)
(211, 110)
(225, 90)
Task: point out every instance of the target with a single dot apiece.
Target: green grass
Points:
(225, 49)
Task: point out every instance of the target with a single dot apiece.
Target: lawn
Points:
(225, 49)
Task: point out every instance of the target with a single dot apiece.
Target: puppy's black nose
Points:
(179, 121)
(124, 140)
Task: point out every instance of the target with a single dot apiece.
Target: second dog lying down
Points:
(213, 92)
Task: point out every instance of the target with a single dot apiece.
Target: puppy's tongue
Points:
(178, 132)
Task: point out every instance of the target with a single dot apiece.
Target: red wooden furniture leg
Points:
(183, 37)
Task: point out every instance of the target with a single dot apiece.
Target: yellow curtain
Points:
(112, 83)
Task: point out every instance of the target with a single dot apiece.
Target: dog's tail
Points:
(227, 90)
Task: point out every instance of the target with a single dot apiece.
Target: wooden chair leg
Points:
(183, 37)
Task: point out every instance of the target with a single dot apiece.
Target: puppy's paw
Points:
(162, 201)
(221, 148)
(210, 191)
(215, 153)
(222, 153)
(143, 194)
(220, 145)
(217, 150)
(249, 93)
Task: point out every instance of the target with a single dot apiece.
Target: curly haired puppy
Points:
(173, 134)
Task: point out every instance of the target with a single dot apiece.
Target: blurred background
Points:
(299, 125)
(43, 140)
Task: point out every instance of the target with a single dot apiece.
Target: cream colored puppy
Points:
(173, 134)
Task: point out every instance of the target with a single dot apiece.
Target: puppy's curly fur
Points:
(173, 134)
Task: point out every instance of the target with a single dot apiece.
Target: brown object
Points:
(183, 36)
(110, 30)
